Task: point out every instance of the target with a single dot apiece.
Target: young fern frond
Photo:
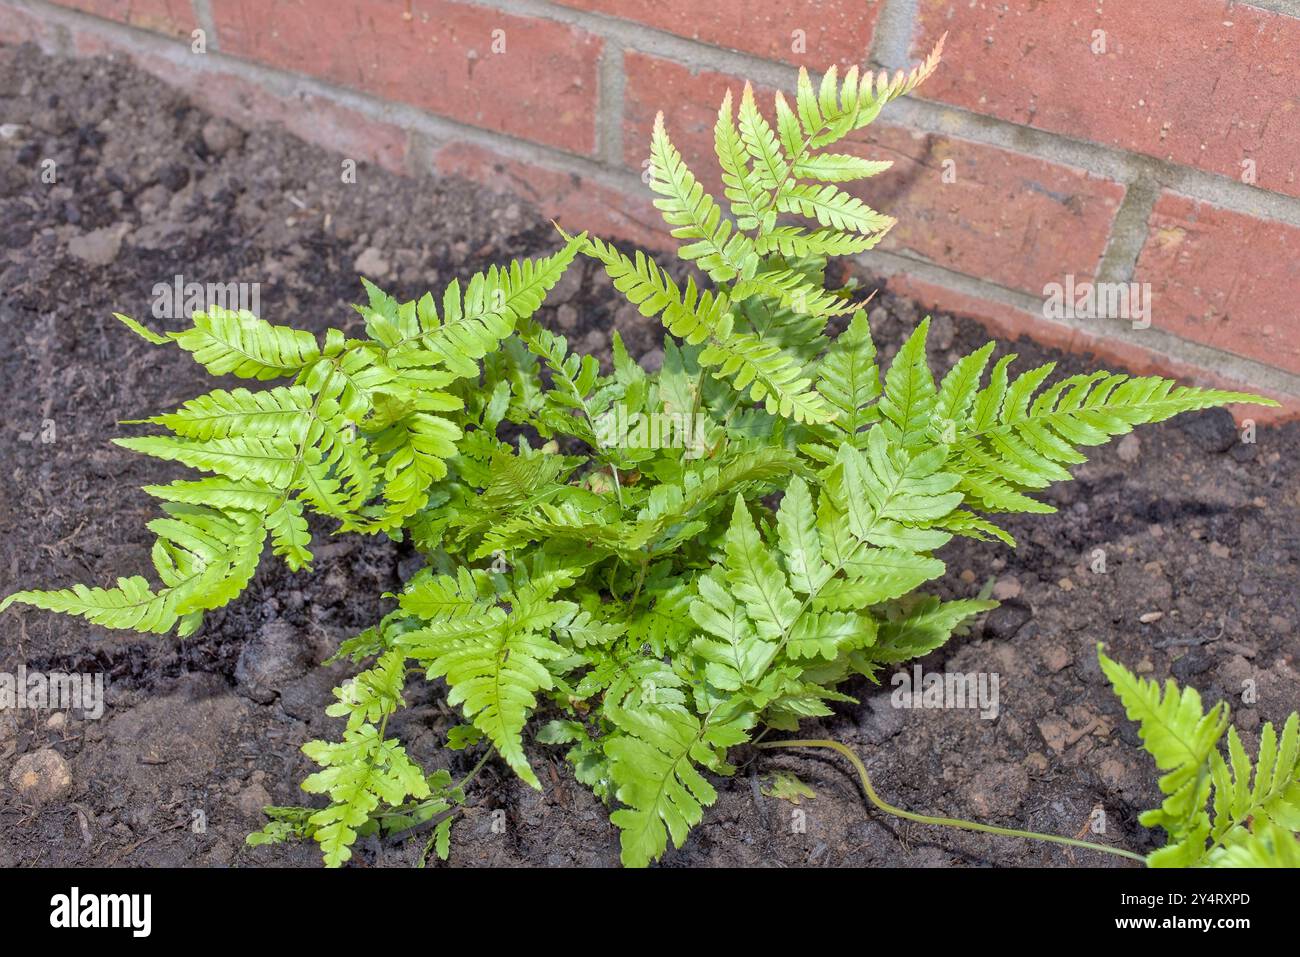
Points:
(1248, 824)
(1242, 805)
(719, 251)
(358, 773)
(494, 661)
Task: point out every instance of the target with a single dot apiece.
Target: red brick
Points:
(834, 31)
(433, 54)
(1016, 220)
(1009, 324)
(1019, 221)
(19, 26)
(337, 128)
(575, 202)
(172, 17)
(1224, 279)
(690, 101)
(1198, 82)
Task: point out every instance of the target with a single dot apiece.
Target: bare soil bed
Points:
(1195, 525)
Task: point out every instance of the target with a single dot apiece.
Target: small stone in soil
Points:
(42, 776)
(251, 800)
(566, 317)
(1007, 587)
(1056, 658)
(221, 136)
(98, 247)
(1130, 447)
(371, 263)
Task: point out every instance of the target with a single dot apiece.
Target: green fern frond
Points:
(745, 360)
(834, 208)
(768, 162)
(743, 187)
(224, 341)
(685, 205)
(1274, 795)
(654, 760)
(1182, 737)
(892, 500)
(794, 241)
(850, 381)
(793, 291)
(494, 664)
(220, 414)
(1266, 845)
(474, 323)
(770, 376)
(358, 773)
(131, 605)
(1015, 441)
(924, 628)
(203, 558)
(839, 167)
(1250, 823)
(908, 404)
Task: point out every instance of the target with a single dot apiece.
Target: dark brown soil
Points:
(1194, 524)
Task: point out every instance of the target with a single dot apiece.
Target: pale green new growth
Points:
(1248, 823)
(665, 564)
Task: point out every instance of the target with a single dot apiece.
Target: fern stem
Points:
(875, 799)
(640, 580)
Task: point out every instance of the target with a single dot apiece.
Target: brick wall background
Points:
(1154, 141)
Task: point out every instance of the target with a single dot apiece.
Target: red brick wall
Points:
(1155, 141)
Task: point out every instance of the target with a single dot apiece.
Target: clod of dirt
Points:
(98, 247)
(221, 136)
(1213, 430)
(42, 776)
(270, 661)
(1006, 588)
(1187, 668)
(371, 263)
(1130, 447)
(302, 697)
(251, 800)
(1008, 618)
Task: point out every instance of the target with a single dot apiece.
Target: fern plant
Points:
(638, 599)
(1216, 812)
